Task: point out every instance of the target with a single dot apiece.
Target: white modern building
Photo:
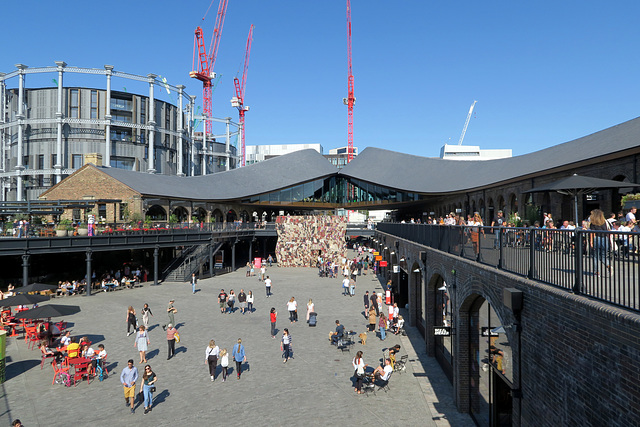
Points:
(472, 152)
(260, 153)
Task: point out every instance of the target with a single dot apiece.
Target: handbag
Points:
(176, 336)
(152, 389)
(360, 371)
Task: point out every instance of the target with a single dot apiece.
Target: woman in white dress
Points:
(310, 308)
(142, 342)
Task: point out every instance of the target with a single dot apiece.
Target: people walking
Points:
(171, 312)
(239, 356)
(128, 378)
(249, 268)
(292, 307)
(194, 282)
(171, 340)
(366, 303)
(232, 300)
(382, 325)
(211, 358)
(359, 366)
(224, 363)
(131, 320)
(222, 300)
(147, 387)
(250, 302)
(146, 311)
(242, 301)
(285, 345)
(267, 285)
(311, 308)
(273, 314)
(142, 342)
(372, 320)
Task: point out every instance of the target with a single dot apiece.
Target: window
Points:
(142, 136)
(54, 160)
(124, 211)
(25, 162)
(40, 161)
(74, 111)
(167, 118)
(76, 214)
(121, 104)
(94, 104)
(123, 162)
(143, 111)
(102, 211)
(76, 161)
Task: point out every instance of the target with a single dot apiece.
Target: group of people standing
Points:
(213, 353)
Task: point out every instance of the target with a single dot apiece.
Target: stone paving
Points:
(313, 389)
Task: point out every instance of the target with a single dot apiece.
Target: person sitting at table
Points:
(4, 320)
(88, 351)
(73, 349)
(339, 333)
(84, 340)
(381, 373)
(10, 289)
(65, 339)
(102, 354)
(47, 351)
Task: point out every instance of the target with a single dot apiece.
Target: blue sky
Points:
(543, 72)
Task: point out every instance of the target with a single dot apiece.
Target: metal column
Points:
(228, 146)
(89, 282)
(25, 269)
(3, 160)
(59, 115)
(180, 171)
(20, 117)
(233, 256)
(151, 160)
(192, 167)
(107, 118)
(156, 251)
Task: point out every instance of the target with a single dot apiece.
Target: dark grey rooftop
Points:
(270, 175)
(434, 175)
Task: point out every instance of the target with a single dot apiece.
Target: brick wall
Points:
(580, 358)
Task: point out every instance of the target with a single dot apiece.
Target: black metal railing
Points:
(601, 264)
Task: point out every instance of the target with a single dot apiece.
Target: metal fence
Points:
(601, 264)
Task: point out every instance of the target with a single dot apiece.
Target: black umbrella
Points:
(49, 310)
(35, 287)
(23, 299)
(576, 185)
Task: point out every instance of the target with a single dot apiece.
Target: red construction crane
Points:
(238, 100)
(351, 99)
(206, 62)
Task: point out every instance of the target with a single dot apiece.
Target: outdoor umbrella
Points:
(23, 299)
(576, 185)
(49, 310)
(34, 287)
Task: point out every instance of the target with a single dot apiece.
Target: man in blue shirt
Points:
(239, 356)
(335, 336)
(128, 378)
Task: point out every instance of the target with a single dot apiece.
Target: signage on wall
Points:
(486, 332)
(396, 269)
(379, 258)
(442, 331)
(376, 253)
(383, 263)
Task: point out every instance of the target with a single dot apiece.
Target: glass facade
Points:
(334, 191)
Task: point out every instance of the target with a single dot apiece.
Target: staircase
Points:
(189, 262)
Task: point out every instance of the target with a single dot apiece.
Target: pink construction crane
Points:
(238, 100)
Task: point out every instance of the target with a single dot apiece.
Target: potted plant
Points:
(630, 200)
(83, 229)
(63, 228)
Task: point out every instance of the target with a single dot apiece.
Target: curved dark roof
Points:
(270, 175)
(434, 175)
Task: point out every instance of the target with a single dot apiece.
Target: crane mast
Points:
(205, 63)
(351, 99)
(238, 100)
(466, 123)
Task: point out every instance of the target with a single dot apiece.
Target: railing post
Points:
(88, 282)
(577, 285)
(156, 251)
(500, 259)
(25, 268)
(532, 253)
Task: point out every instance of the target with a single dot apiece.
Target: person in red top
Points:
(171, 340)
(272, 316)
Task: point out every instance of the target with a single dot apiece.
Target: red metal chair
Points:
(80, 370)
(61, 372)
(44, 356)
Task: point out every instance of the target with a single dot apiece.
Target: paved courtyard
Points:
(313, 389)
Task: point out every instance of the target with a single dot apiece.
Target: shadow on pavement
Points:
(17, 368)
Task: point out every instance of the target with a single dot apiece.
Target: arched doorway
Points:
(217, 216)
(244, 216)
(490, 365)
(181, 214)
(231, 216)
(443, 344)
(156, 213)
(200, 214)
(417, 300)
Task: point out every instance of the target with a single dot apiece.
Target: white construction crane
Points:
(466, 123)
